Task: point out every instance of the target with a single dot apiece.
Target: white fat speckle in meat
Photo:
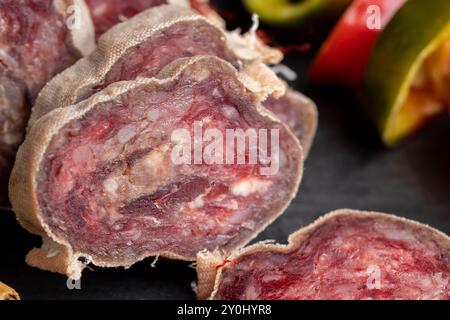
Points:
(126, 134)
(252, 31)
(245, 187)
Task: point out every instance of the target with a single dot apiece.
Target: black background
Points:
(347, 168)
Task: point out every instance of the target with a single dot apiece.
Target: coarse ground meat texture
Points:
(107, 13)
(149, 56)
(35, 45)
(108, 186)
(348, 256)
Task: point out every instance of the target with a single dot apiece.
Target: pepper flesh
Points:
(343, 58)
(406, 82)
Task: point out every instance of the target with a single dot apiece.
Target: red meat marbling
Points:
(346, 255)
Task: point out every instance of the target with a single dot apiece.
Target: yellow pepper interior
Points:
(428, 96)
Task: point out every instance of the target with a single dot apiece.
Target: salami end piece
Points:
(98, 180)
(347, 254)
(299, 113)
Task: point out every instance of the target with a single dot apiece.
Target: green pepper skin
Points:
(415, 32)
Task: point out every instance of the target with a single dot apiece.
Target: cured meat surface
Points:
(35, 44)
(347, 255)
(106, 183)
(107, 13)
(299, 113)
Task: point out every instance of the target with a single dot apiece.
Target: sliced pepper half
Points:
(295, 13)
(408, 77)
(343, 58)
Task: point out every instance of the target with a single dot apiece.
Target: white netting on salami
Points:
(345, 255)
(35, 45)
(103, 184)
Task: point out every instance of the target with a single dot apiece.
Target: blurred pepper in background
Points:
(395, 53)
(407, 81)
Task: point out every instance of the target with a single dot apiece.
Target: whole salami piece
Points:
(112, 179)
(38, 39)
(347, 255)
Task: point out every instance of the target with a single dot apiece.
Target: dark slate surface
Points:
(347, 168)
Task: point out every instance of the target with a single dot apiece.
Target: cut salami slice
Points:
(98, 182)
(345, 255)
(35, 44)
(142, 46)
(299, 113)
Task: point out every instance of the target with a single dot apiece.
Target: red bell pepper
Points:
(343, 58)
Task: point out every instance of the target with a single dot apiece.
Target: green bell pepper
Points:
(406, 82)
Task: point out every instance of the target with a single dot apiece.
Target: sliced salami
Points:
(102, 184)
(299, 113)
(37, 41)
(345, 255)
(142, 46)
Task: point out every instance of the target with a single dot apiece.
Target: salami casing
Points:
(38, 39)
(345, 255)
(142, 46)
(101, 185)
